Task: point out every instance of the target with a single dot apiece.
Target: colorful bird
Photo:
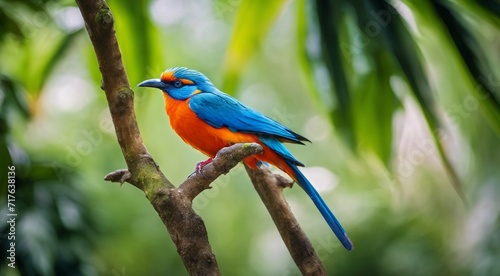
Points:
(209, 120)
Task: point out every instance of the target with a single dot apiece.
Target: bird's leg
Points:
(200, 165)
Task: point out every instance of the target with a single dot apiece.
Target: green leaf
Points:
(9, 23)
(139, 39)
(330, 22)
(360, 77)
(490, 6)
(253, 21)
(360, 70)
(12, 97)
(374, 104)
(56, 54)
(305, 61)
(475, 60)
(405, 51)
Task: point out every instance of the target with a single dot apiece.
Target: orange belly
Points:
(210, 140)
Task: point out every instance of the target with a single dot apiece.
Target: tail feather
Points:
(322, 207)
(283, 159)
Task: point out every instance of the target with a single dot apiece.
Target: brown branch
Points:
(174, 206)
(185, 227)
(270, 186)
(225, 160)
(99, 23)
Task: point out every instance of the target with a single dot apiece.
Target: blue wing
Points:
(221, 110)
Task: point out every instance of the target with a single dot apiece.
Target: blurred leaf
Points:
(330, 14)
(8, 23)
(306, 63)
(362, 115)
(492, 6)
(54, 227)
(360, 72)
(403, 48)
(5, 159)
(374, 105)
(11, 97)
(56, 53)
(407, 54)
(143, 50)
(475, 61)
(33, 56)
(8, 97)
(10, 19)
(253, 20)
(55, 56)
(373, 99)
(33, 5)
(51, 238)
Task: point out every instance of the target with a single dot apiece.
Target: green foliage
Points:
(474, 58)
(365, 105)
(143, 47)
(54, 228)
(396, 97)
(253, 20)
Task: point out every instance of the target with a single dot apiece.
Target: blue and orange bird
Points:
(209, 120)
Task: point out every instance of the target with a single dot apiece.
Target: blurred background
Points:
(400, 100)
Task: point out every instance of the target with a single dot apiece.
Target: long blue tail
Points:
(275, 145)
(322, 207)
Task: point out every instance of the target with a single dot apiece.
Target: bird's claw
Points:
(200, 165)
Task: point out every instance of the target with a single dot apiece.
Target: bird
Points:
(208, 120)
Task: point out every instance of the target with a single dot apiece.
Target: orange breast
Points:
(196, 132)
(210, 140)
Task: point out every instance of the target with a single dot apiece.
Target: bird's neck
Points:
(178, 112)
(171, 105)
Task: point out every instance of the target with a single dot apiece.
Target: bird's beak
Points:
(156, 83)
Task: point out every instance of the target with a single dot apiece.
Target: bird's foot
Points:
(200, 165)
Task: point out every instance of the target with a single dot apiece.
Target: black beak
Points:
(155, 83)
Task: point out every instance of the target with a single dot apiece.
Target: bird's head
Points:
(180, 83)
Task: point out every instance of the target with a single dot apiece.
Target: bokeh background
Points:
(400, 100)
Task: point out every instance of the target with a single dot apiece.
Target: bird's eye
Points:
(177, 83)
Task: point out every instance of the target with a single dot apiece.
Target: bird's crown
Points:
(186, 76)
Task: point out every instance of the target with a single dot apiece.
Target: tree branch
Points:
(270, 187)
(174, 206)
(226, 159)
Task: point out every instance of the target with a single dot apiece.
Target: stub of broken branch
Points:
(118, 176)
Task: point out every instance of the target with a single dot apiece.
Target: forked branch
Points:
(174, 205)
